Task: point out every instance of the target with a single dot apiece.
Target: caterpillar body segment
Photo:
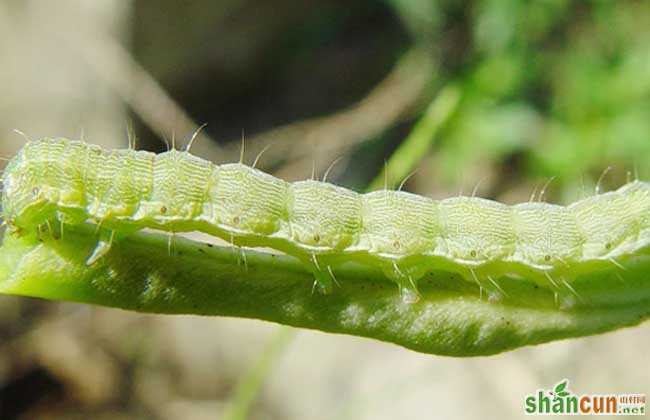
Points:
(323, 225)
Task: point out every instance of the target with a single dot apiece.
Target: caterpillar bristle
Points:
(188, 148)
(164, 139)
(130, 135)
(601, 178)
(572, 290)
(259, 155)
(314, 285)
(385, 175)
(315, 260)
(496, 285)
(406, 178)
(414, 293)
(554, 287)
(329, 168)
(563, 261)
(533, 194)
(617, 264)
(476, 280)
(22, 134)
(241, 150)
(544, 188)
(329, 269)
(550, 279)
(476, 187)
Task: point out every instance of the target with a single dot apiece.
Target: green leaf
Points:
(560, 387)
(451, 318)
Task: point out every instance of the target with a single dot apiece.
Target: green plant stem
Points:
(250, 385)
(451, 317)
(416, 145)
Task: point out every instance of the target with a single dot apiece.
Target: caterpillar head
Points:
(26, 198)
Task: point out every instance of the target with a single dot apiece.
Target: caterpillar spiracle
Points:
(324, 225)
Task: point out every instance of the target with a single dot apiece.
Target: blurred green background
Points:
(496, 97)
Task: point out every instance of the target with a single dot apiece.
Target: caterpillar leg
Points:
(323, 281)
(406, 282)
(489, 286)
(44, 231)
(566, 296)
(106, 238)
(408, 290)
(239, 252)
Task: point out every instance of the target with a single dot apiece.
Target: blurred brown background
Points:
(553, 88)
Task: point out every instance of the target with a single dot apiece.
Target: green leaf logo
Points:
(560, 390)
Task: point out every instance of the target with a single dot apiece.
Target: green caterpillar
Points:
(323, 225)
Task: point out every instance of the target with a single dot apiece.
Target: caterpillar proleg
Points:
(324, 225)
